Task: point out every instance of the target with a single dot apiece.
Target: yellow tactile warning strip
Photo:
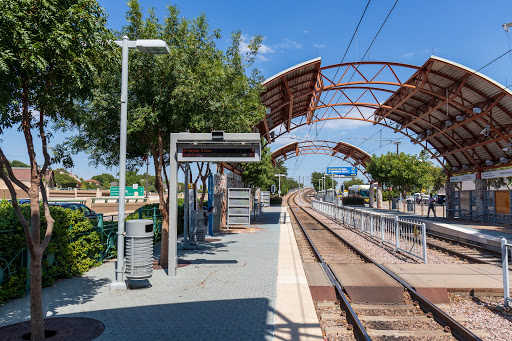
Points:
(295, 315)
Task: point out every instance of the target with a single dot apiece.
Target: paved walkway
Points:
(232, 290)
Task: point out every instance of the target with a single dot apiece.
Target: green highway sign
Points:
(129, 191)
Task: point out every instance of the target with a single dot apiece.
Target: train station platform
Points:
(244, 283)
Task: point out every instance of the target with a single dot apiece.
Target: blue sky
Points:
(467, 32)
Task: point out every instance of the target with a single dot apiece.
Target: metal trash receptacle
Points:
(410, 205)
(139, 248)
(198, 225)
(394, 202)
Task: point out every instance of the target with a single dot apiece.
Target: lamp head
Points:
(152, 46)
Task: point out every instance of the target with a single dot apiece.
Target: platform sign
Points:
(347, 171)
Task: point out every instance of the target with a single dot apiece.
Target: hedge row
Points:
(75, 247)
(353, 200)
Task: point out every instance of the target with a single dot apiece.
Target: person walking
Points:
(431, 202)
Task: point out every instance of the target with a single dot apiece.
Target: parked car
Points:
(440, 199)
(88, 213)
(22, 201)
(419, 197)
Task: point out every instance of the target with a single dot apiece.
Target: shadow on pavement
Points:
(66, 292)
(236, 319)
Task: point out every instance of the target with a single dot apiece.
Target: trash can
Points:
(410, 205)
(139, 248)
(394, 202)
(198, 225)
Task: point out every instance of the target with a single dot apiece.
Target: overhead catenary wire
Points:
(367, 50)
(342, 59)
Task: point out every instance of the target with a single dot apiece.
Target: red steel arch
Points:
(463, 118)
(341, 150)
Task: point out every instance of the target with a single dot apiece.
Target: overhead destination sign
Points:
(219, 152)
(500, 173)
(465, 177)
(349, 171)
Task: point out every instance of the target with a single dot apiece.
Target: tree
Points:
(50, 52)
(404, 172)
(196, 88)
(105, 179)
(16, 163)
(64, 180)
(497, 183)
(351, 182)
(259, 174)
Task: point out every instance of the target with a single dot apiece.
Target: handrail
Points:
(504, 263)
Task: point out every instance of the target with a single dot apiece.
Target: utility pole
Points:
(279, 191)
(397, 144)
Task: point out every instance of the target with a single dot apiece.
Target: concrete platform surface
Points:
(232, 290)
(453, 277)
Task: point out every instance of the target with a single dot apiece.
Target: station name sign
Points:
(465, 177)
(500, 173)
(219, 152)
(347, 171)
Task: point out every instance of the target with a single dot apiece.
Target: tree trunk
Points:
(163, 207)
(36, 293)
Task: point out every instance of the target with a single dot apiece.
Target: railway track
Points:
(464, 251)
(413, 319)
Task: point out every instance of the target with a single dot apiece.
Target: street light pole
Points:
(279, 175)
(146, 46)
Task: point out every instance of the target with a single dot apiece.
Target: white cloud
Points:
(264, 49)
(338, 124)
(289, 44)
(306, 31)
(407, 55)
(319, 46)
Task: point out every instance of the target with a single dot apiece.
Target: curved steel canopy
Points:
(463, 118)
(345, 151)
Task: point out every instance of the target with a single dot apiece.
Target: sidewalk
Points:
(228, 292)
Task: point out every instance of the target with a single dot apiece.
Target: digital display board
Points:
(218, 152)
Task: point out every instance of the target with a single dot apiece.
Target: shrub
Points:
(353, 200)
(75, 247)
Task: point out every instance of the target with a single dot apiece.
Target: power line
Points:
(367, 50)
(346, 51)
(495, 59)
(353, 35)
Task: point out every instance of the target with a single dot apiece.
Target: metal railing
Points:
(506, 249)
(405, 235)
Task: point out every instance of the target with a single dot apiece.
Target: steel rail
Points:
(465, 244)
(496, 261)
(359, 331)
(456, 329)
